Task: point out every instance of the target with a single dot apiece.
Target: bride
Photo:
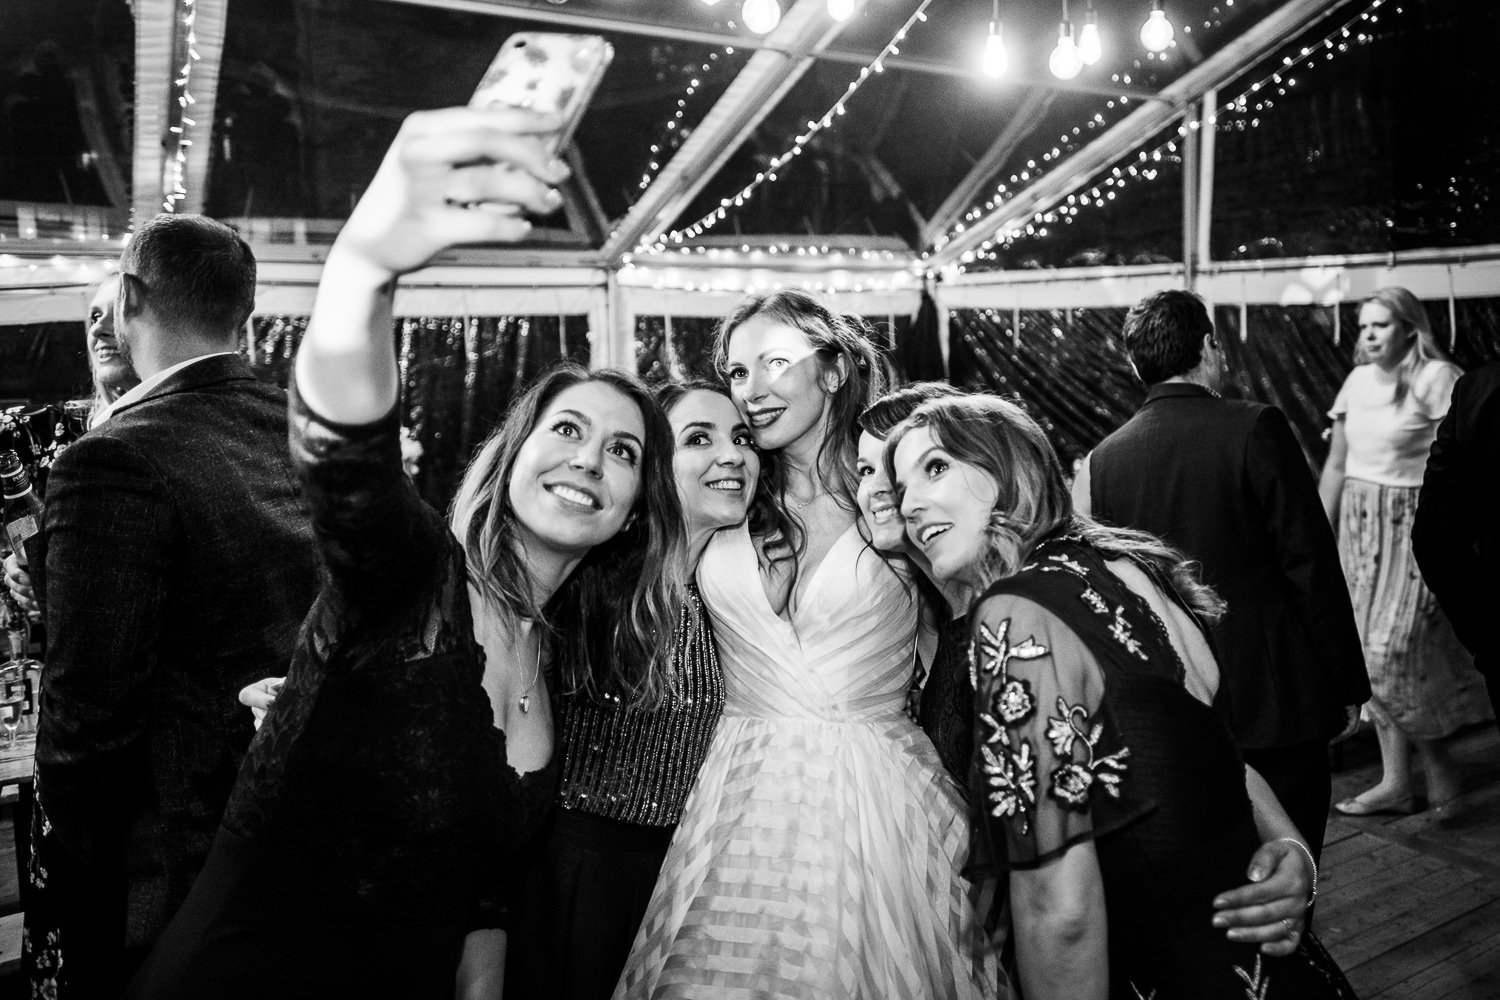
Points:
(819, 854)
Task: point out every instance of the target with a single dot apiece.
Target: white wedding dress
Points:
(818, 856)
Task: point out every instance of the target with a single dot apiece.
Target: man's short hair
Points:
(199, 276)
(1164, 334)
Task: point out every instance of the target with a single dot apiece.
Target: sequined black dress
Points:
(1086, 732)
(626, 774)
(375, 820)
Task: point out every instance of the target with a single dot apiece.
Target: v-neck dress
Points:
(819, 854)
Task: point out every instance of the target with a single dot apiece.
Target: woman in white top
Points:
(1384, 420)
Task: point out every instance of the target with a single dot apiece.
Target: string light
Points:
(761, 16)
(1157, 32)
(658, 243)
(673, 131)
(995, 61)
(1065, 62)
(1090, 48)
(841, 10)
(177, 162)
(1145, 165)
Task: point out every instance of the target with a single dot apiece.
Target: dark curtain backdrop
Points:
(458, 377)
(1068, 367)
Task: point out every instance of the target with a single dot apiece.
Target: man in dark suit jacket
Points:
(178, 562)
(1454, 535)
(1225, 481)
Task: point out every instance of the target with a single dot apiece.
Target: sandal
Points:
(1360, 806)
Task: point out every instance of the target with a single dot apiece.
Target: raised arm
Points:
(455, 176)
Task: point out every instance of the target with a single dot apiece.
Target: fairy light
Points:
(177, 162)
(658, 243)
(1115, 177)
(1145, 165)
(673, 131)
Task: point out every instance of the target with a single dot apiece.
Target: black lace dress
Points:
(1087, 732)
(946, 709)
(375, 821)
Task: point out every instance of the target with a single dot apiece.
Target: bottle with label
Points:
(23, 509)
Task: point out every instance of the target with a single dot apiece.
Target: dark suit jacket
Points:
(179, 563)
(1455, 535)
(1225, 481)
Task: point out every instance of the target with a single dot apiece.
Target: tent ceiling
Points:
(295, 101)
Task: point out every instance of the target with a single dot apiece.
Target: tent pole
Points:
(1190, 206)
(1209, 114)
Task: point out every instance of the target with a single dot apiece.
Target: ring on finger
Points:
(1290, 930)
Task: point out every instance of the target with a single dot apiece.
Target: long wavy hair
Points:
(613, 617)
(866, 376)
(1032, 501)
(1411, 319)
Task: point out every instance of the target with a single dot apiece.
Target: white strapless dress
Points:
(818, 856)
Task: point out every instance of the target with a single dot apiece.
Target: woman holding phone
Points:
(369, 846)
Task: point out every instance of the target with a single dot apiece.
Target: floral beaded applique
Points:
(1009, 766)
(1091, 597)
(1073, 781)
(1121, 632)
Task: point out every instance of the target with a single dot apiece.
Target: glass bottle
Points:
(22, 509)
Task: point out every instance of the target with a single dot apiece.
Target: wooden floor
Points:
(1410, 907)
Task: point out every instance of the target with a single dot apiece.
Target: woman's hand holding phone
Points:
(454, 176)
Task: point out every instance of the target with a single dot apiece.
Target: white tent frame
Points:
(873, 278)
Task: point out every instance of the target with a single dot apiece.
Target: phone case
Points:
(549, 73)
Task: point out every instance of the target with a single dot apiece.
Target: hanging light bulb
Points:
(761, 16)
(1089, 47)
(840, 10)
(1157, 32)
(995, 62)
(1065, 62)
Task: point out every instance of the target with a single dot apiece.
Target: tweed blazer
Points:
(1225, 481)
(178, 563)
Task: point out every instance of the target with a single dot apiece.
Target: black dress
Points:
(375, 821)
(1087, 732)
(626, 774)
(946, 709)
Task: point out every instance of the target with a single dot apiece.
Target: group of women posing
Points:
(692, 622)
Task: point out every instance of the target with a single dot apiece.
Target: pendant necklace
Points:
(524, 702)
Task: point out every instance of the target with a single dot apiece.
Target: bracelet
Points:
(1311, 896)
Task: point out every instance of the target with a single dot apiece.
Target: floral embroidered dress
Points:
(1086, 732)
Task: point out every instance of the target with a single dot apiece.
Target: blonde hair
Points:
(1411, 317)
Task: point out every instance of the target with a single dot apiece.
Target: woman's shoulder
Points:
(1437, 374)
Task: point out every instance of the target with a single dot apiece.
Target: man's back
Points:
(1226, 482)
(179, 564)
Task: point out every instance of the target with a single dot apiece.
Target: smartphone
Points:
(551, 73)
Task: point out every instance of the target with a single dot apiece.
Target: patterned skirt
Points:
(1422, 680)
